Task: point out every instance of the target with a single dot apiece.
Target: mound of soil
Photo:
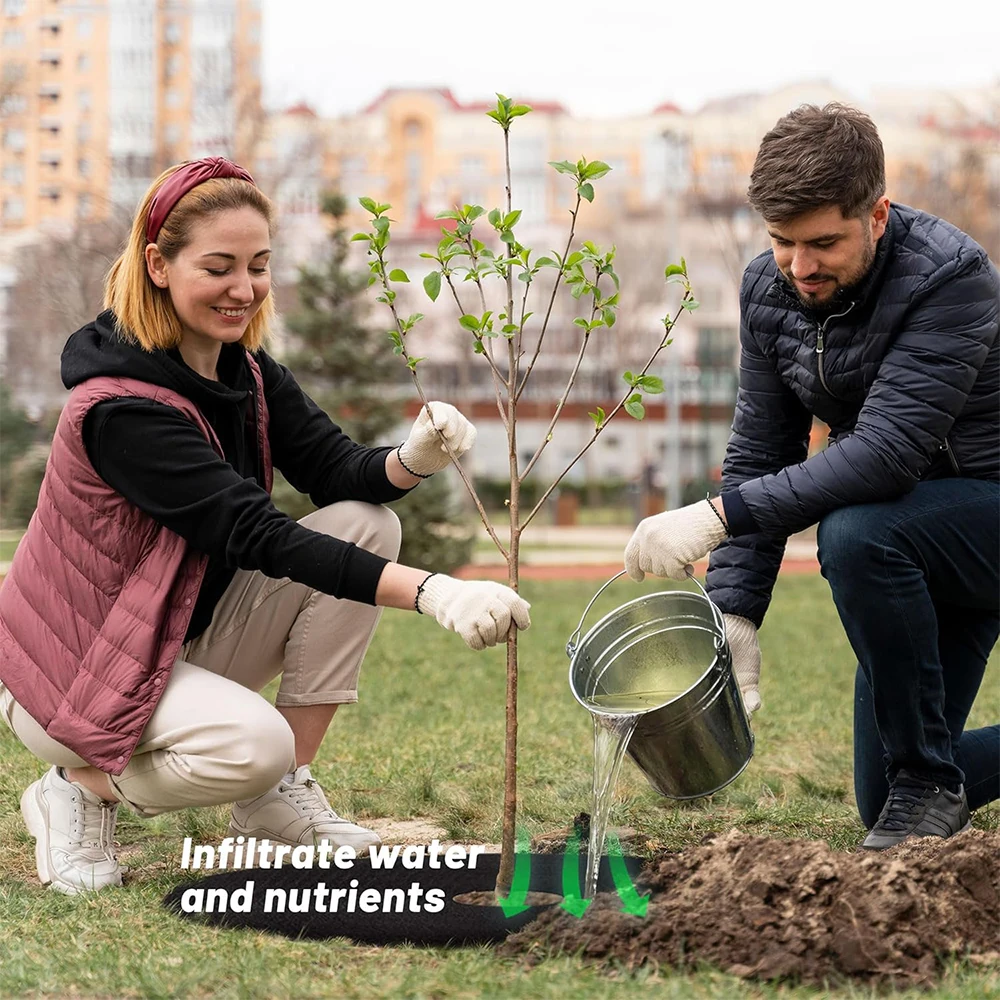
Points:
(770, 909)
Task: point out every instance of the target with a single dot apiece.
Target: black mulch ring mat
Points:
(455, 924)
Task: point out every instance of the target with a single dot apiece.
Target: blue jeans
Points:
(916, 582)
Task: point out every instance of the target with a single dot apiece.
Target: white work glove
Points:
(423, 453)
(667, 544)
(480, 611)
(743, 644)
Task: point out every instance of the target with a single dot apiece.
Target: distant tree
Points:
(341, 361)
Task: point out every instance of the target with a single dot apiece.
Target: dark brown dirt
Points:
(773, 909)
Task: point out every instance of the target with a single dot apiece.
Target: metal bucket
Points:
(665, 657)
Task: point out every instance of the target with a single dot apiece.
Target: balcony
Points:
(50, 191)
(51, 57)
(50, 158)
(50, 124)
(50, 91)
(53, 25)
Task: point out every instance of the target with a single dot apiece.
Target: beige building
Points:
(98, 96)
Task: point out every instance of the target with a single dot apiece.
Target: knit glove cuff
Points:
(745, 647)
(480, 611)
(423, 453)
(667, 544)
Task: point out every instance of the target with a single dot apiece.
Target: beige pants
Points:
(212, 739)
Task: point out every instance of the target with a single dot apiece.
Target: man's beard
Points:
(842, 290)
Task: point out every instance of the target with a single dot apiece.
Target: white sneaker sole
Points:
(36, 819)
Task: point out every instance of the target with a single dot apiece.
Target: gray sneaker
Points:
(917, 807)
(74, 833)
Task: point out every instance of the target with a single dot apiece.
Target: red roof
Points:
(301, 109)
(667, 108)
(546, 107)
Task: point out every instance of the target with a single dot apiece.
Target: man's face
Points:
(821, 252)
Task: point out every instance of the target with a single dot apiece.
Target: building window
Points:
(12, 8)
(83, 99)
(84, 131)
(173, 98)
(13, 38)
(82, 62)
(83, 167)
(50, 191)
(13, 173)
(13, 104)
(13, 209)
(83, 206)
(13, 138)
(413, 128)
(172, 65)
(84, 27)
(172, 32)
(13, 73)
(172, 133)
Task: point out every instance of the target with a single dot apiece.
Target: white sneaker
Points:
(297, 812)
(74, 833)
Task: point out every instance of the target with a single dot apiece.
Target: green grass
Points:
(425, 741)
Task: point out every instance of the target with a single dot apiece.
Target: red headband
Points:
(181, 181)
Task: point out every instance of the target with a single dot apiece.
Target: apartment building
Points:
(98, 96)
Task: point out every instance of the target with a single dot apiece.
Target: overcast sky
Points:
(617, 56)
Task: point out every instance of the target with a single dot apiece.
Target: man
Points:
(882, 321)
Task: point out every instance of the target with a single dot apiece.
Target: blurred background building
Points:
(97, 97)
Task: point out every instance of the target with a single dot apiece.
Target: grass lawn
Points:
(425, 740)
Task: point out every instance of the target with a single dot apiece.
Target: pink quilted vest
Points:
(99, 595)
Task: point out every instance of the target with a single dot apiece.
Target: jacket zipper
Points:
(820, 331)
(946, 448)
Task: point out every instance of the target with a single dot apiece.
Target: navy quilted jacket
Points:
(906, 373)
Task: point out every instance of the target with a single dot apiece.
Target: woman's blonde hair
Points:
(145, 312)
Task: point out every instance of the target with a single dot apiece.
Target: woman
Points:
(157, 589)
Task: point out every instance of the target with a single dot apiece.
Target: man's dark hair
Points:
(815, 157)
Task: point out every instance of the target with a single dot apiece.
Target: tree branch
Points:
(607, 420)
(548, 312)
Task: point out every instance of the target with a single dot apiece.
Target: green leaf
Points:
(381, 224)
(358, 237)
(398, 274)
(371, 280)
(563, 166)
(511, 218)
(413, 362)
(432, 285)
(507, 236)
(525, 276)
(587, 191)
(396, 338)
(470, 322)
(383, 208)
(463, 228)
(477, 348)
(634, 407)
(368, 204)
(450, 214)
(574, 258)
(673, 269)
(473, 212)
(494, 217)
(509, 328)
(609, 316)
(595, 169)
(545, 262)
(580, 321)
(413, 319)
(519, 109)
(628, 377)
(690, 304)
(652, 384)
(598, 417)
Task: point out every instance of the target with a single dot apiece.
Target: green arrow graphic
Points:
(632, 902)
(572, 901)
(514, 902)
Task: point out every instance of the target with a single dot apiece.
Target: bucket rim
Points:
(582, 641)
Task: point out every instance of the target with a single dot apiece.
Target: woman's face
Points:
(219, 280)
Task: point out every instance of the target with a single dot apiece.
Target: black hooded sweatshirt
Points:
(161, 462)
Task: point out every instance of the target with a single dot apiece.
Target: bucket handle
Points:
(716, 616)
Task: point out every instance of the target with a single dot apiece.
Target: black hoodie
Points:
(161, 462)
